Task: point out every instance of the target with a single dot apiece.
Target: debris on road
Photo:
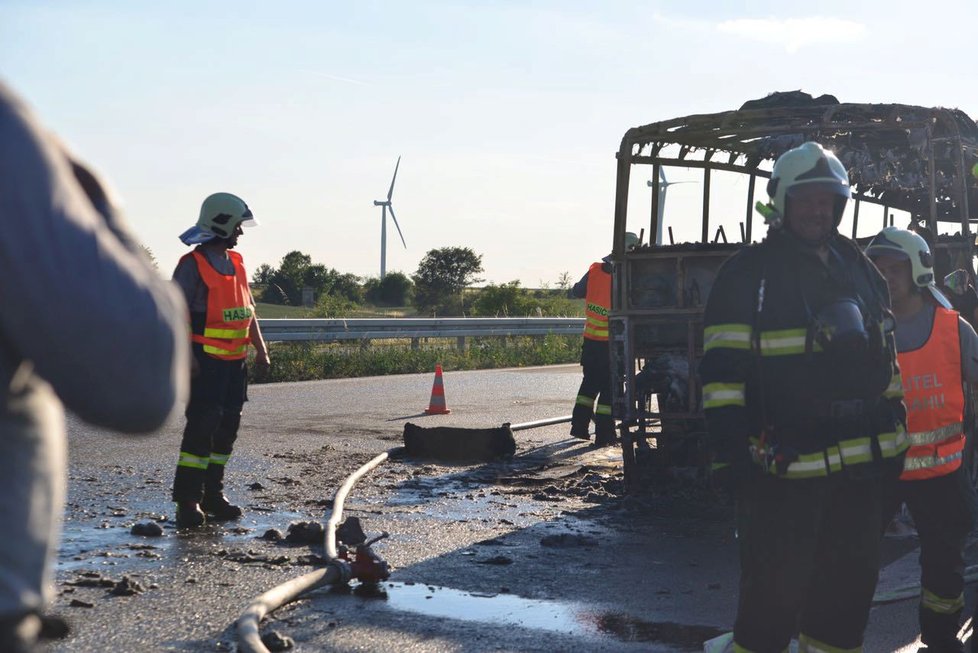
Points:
(306, 532)
(147, 529)
(127, 587)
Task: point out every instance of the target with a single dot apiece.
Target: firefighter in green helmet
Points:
(222, 325)
(802, 396)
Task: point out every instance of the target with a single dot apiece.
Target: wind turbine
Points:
(663, 185)
(385, 206)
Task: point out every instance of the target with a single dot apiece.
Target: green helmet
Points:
(911, 246)
(809, 163)
(220, 214)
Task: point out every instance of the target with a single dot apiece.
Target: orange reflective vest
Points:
(229, 309)
(597, 303)
(934, 395)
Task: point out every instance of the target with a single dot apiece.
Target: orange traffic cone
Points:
(437, 404)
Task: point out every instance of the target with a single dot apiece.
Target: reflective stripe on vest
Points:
(229, 309)
(717, 395)
(934, 396)
(597, 303)
(780, 342)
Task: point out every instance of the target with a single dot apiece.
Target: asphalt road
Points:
(541, 553)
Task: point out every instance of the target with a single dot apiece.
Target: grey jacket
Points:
(82, 308)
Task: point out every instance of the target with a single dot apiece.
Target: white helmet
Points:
(631, 240)
(911, 246)
(220, 213)
(809, 163)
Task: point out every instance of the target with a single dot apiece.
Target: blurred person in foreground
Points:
(87, 324)
(222, 325)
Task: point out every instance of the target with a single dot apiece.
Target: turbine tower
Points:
(663, 185)
(385, 205)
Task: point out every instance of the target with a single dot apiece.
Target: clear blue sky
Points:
(507, 114)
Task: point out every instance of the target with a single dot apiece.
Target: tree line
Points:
(440, 287)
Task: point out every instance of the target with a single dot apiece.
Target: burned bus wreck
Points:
(908, 165)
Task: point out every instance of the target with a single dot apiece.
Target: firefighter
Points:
(802, 396)
(937, 350)
(222, 324)
(595, 288)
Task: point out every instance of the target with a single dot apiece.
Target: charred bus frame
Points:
(901, 157)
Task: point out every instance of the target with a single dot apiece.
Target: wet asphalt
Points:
(540, 553)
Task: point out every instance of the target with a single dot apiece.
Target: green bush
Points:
(505, 300)
(509, 300)
(333, 306)
(395, 289)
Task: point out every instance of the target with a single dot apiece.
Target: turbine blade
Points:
(397, 225)
(394, 178)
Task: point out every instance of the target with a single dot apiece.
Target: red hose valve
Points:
(368, 567)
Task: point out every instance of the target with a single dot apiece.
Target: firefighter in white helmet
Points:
(802, 398)
(938, 353)
(222, 325)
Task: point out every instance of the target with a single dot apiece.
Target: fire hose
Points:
(366, 565)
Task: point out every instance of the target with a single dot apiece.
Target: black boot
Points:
(939, 631)
(581, 422)
(189, 515)
(218, 508)
(604, 431)
(215, 504)
(188, 484)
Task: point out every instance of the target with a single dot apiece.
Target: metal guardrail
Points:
(365, 329)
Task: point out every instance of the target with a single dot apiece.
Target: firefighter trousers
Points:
(217, 394)
(595, 387)
(943, 511)
(809, 558)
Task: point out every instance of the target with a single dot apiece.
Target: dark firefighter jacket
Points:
(778, 392)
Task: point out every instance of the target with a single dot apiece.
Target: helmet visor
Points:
(248, 219)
